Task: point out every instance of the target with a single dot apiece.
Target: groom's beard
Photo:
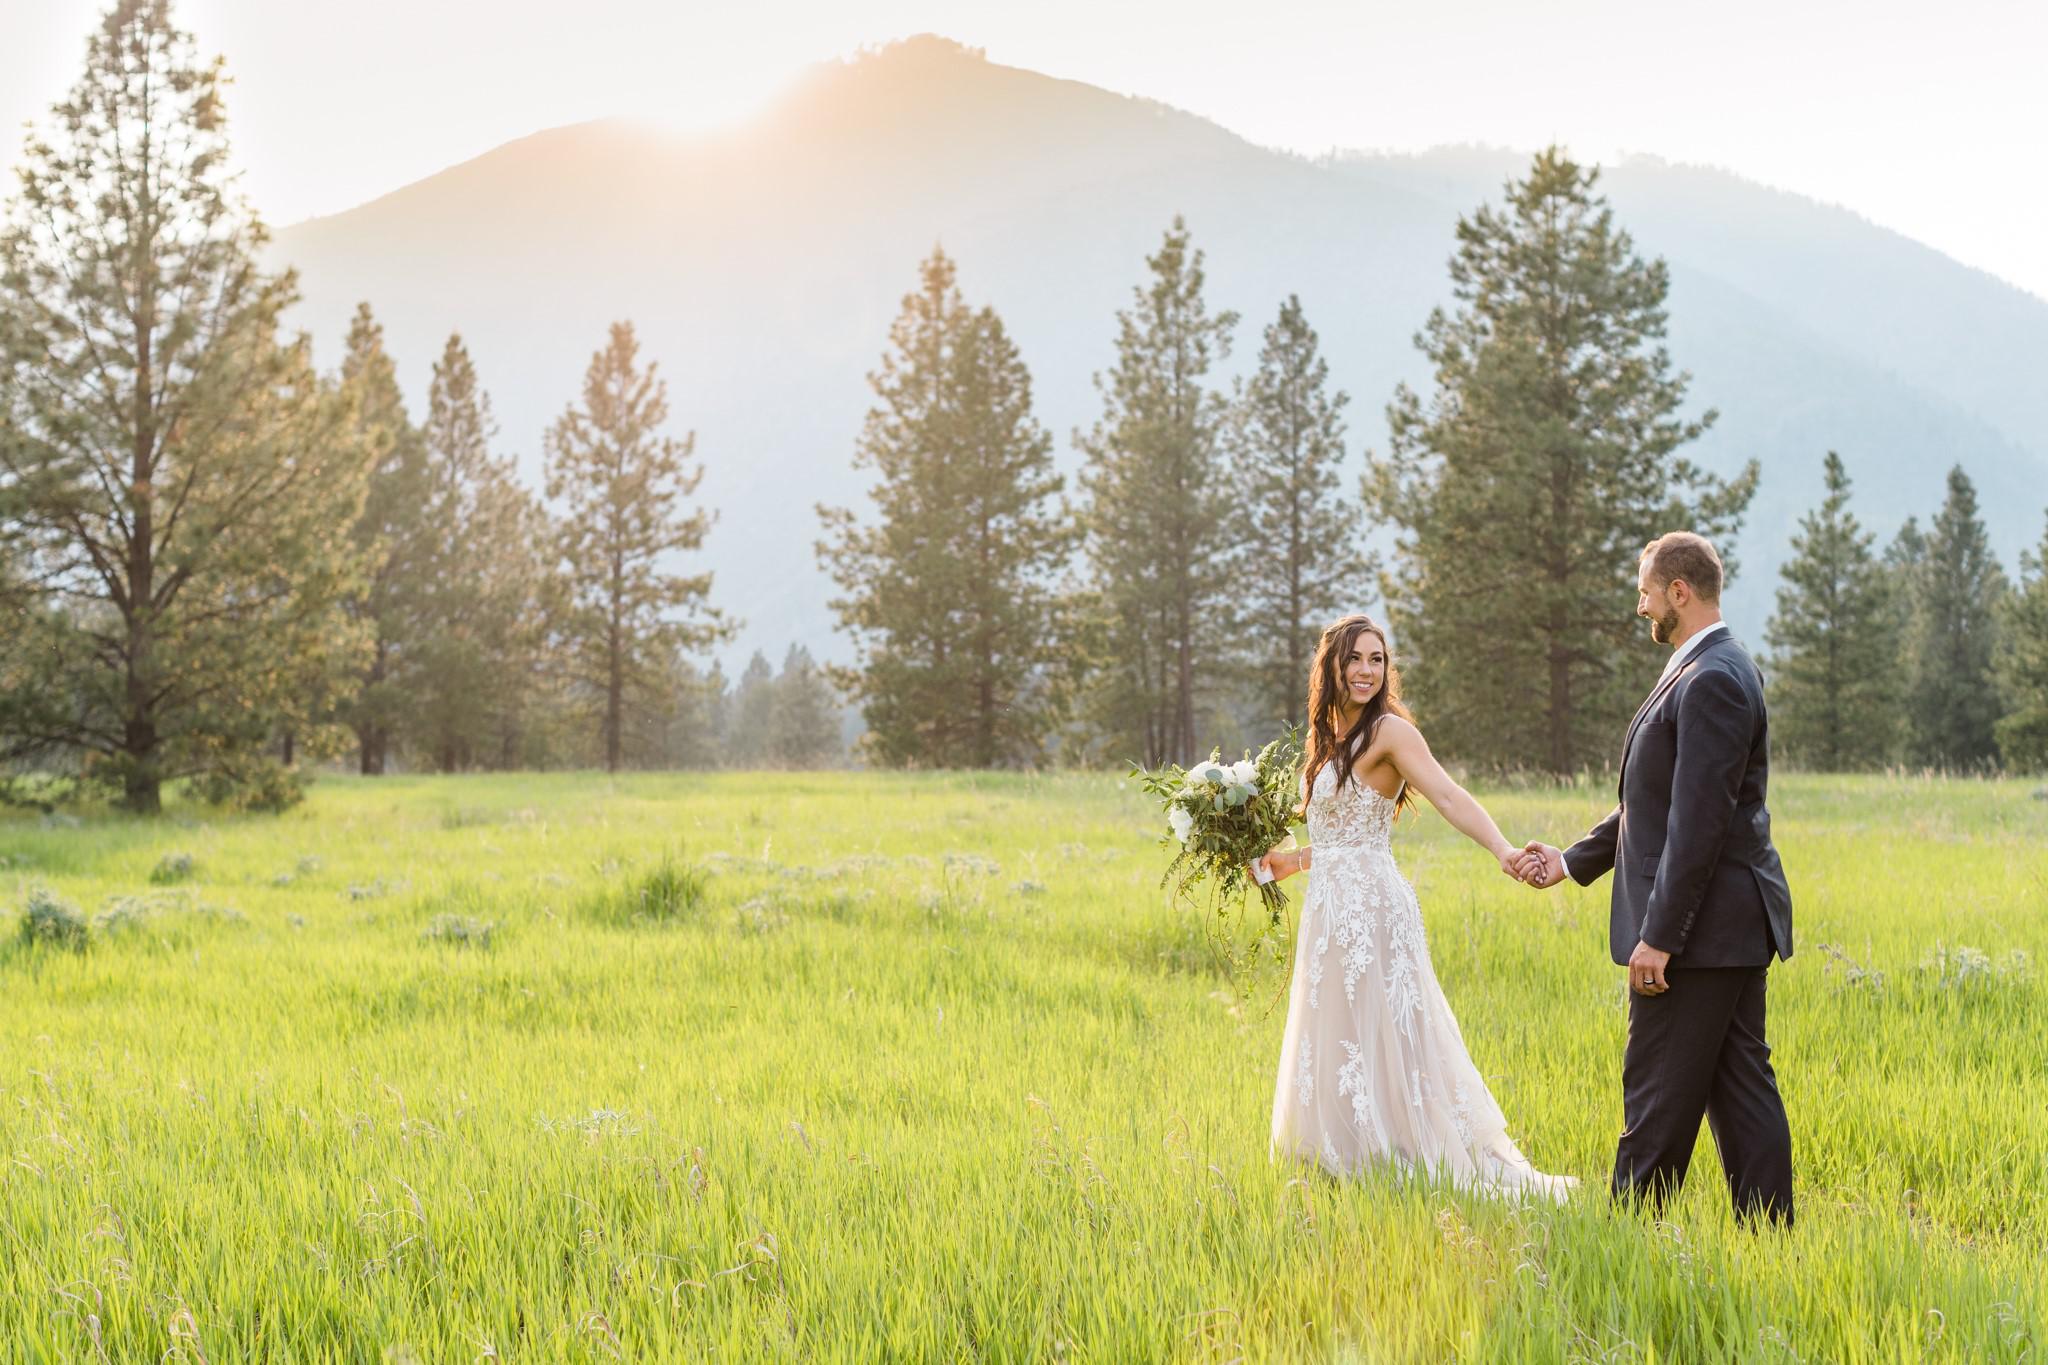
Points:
(1662, 628)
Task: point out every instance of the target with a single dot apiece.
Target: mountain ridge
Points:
(762, 266)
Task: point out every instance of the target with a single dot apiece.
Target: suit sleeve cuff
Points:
(1565, 856)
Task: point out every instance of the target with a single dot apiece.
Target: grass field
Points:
(853, 1067)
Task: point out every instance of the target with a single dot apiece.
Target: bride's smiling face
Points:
(1365, 669)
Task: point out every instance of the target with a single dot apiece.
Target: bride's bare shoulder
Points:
(1391, 729)
(1388, 731)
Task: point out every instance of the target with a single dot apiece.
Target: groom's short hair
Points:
(1684, 554)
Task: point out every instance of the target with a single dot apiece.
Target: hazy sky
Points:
(1930, 120)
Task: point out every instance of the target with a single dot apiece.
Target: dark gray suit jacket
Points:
(1690, 844)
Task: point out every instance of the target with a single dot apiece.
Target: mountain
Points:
(762, 267)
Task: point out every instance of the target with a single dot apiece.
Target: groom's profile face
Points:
(1653, 604)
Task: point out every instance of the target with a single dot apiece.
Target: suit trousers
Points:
(1699, 1049)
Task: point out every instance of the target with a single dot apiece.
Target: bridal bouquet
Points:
(1220, 818)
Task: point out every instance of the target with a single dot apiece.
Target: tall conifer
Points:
(1302, 560)
(2020, 666)
(1834, 663)
(804, 723)
(623, 487)
(1524, 489)
(182, 479)
(394, 537)
(948, 592)
(485, 594)
(1156, 514)
(1952, 700)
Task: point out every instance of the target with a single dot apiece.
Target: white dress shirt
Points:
(1688, 649)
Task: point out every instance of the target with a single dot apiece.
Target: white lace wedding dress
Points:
(1373, 1069)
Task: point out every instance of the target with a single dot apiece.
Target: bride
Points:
(1372, 1067)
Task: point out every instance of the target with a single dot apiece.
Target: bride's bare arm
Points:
(1408, 751)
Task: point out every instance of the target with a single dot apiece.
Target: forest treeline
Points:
(221, 565)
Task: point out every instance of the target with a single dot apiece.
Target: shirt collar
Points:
(1690, 648)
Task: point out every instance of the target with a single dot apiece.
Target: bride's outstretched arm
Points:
(1409, 752)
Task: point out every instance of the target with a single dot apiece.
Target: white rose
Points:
(1244, 770)
(1211, 772)
(1183, 824)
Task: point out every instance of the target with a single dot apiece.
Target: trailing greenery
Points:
(1220, 820)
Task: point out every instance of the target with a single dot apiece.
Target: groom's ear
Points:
(1679, 591)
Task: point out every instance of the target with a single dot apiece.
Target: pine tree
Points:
(183, 479)
(804, 723)
(752, 714)
(1157, 534)
(694, 723)
(623, 485)
(485, 591)
(948, 594)
(1834, 694)
(1903, 560)
(2020, 666)
(1525, 489)
(1951, 698)
(394, 537)
(1303, 560)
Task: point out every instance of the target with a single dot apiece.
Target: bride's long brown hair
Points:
(1326, 689)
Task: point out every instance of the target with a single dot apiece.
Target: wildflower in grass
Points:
(460, 931)
(171, 868)
(46, 919)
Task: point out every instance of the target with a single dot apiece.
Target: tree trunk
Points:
(615, 666)
(142, 789)
(614, 703)
(139, 734)
(1560, 699)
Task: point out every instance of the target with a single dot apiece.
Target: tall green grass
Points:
(848, 1067)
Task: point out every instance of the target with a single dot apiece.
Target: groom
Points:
(1700, 903)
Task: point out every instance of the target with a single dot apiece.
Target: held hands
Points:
(1539, 864)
